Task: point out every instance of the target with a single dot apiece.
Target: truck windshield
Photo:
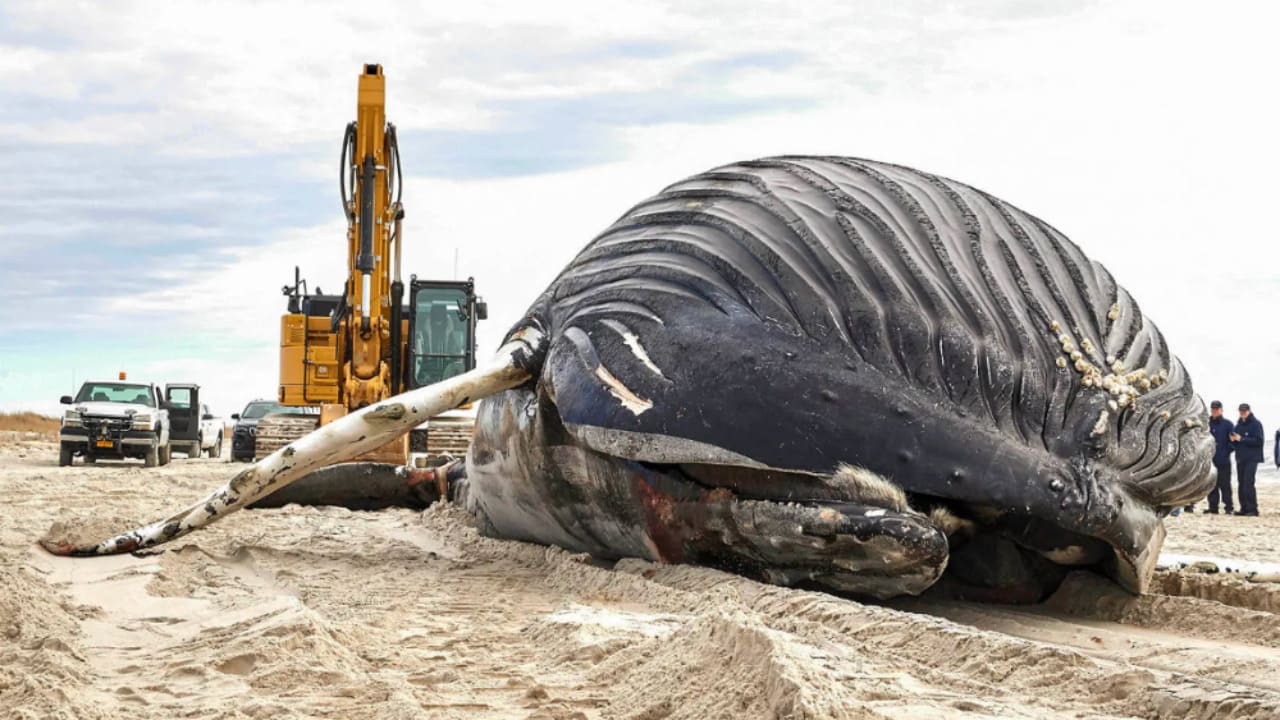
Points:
(440, 335)
(253, 411)
(116, 392)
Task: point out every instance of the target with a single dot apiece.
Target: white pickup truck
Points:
(195, 429)
(212, 428)
(117, 420)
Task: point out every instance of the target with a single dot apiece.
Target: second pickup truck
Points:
(194, 430)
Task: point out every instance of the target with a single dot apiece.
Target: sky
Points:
(168, 164)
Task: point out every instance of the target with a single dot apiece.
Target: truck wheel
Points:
(165, 454)
(64, 456)
(89, 459)
(151, 457)
(216, 452)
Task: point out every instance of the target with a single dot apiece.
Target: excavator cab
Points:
(441, 343)
(442, 330)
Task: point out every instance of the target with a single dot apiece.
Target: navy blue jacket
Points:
(1276, 455)
(1221, 429)
(1252, 438)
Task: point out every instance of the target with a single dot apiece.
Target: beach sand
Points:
(326, 613)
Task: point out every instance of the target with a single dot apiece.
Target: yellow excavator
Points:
(339, 353)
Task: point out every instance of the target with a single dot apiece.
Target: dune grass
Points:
(29, 422)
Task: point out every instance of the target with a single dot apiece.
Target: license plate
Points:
(104, 443)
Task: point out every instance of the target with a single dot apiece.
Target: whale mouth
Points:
(841, 547)
(992, 554)
(1012, 557)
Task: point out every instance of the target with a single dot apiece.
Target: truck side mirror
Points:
(66, 400)
(235, 416)
(482, 310)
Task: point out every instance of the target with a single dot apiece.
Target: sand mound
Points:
(43, 673)
(78, 531)
(1087, 595)
(1220, 589)
(723, 666)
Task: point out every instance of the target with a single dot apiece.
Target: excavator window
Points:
(440, 338)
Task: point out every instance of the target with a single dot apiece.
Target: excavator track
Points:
(447, 437)
(359, 486)
(279, 429)
(450, 436)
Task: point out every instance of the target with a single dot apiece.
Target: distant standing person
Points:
(1222, 430)
(1249, 439)
(1275, 455)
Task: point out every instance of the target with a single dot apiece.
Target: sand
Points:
(327, 613)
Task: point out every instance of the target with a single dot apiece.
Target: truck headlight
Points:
(142, 422)
(71, 419)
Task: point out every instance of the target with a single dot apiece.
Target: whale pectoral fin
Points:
(844, 547)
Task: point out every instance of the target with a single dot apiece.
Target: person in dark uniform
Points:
(1249, 440)
(1221, 429)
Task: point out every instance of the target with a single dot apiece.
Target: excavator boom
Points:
(369, 156)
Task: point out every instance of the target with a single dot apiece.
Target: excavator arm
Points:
(371, 327)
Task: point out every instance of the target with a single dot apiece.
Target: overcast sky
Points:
(167, 164)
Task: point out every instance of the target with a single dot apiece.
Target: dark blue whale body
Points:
(725, 346)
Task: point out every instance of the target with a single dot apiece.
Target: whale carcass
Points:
(814, 370)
